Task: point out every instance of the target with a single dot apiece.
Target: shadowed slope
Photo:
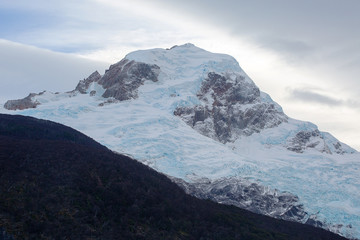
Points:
(59, 184)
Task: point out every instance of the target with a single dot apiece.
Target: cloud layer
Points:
(26, 69)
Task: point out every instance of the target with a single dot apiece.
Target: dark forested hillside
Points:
(22, 127)
(56, 183)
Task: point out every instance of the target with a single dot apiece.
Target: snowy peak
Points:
(208, 91)
(228, 103)
(186, 59)
(192, 115)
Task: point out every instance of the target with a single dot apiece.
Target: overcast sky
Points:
(305, 54)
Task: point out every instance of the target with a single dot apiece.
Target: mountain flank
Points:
(198, 118)
(59, 184)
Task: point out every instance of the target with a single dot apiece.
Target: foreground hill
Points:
(59, 184)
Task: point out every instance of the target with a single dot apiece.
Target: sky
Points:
(305, 54)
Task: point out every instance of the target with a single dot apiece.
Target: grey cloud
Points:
(27, 69)
(310, 96)
(353, 104)
(289, 45)
(67, 26)
(297, 29)
(319, 36)
(289, 27)
(295, 51)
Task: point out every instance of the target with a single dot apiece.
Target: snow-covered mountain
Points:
(197, 117)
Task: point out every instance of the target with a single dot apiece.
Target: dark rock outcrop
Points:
(232, 107)
(123, 79)
(121, 82)
(339, 148)
(83, 85)
(249, 196)
(308, 139)
(228, 89)
(21, 104)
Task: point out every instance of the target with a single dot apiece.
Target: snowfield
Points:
(327, 183)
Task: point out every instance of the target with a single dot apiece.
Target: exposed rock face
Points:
(232, 107)
(308, 139)
(83, 85)
(31, 101)
(107, 102)
(228, 89)
(313, 221)
(314, 139)
(246, 195)
(339, 149)
(123, 79)
(120, 82)
(256, 198)
(21, 104)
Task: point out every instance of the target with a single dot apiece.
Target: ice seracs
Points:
(195, 115)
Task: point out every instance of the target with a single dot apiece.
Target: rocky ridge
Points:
(247, 195)
(231, 107)
(21, 104)
(123, 79)
(120, 82)
(256, 198)
(84, 85)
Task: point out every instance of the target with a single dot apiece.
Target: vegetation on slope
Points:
(59, 184)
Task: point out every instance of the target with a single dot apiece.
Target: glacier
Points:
(291, 156)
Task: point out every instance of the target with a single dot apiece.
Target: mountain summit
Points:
(197, 117)
(225, 104)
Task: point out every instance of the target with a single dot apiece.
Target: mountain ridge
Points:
(217, 134)
(123, 79)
